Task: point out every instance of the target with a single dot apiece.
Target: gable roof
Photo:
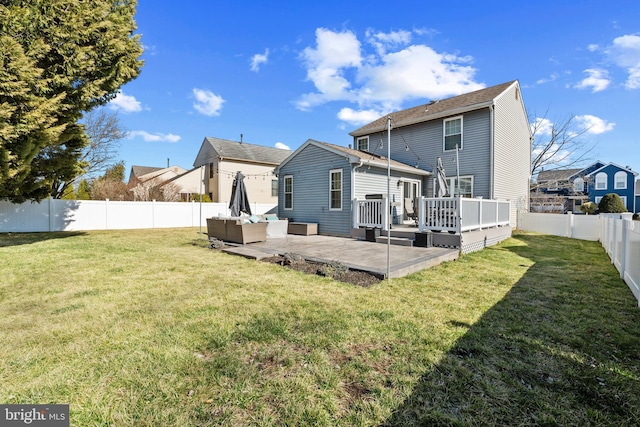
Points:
(616, 166)
(557, 174)
(235, 150)
(138, 171)
(356, 157)
(437, 109)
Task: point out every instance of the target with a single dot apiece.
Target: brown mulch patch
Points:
(354, 277)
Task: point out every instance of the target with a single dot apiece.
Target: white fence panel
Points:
(80, 215)
(585, 227)
(631, 275)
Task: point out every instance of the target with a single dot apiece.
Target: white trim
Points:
(452, 187)
(444, 133)
(358, 139)
(284, 192)
(331, 190)
(595, 184)
(615, 180)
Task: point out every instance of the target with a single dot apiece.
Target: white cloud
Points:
(551, 78)
(541, 126)
(282, 146)
(342, 70)
(125, 103)
(154, 137)
(593, 47)
(259, 59)
(361, 117)
(625, 52)
(594, 125)
(598, 80)
(207, 102)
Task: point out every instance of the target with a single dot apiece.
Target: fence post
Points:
(106, 214)
(570, 225)
(421, 214)
(50, 214)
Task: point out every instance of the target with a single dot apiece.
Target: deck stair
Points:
(400, 241)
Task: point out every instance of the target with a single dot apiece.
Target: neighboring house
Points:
(318, 182)
(573, 187)
(637, 205)
(142, 174)
(489, 126)
(185, 186)
(221, 160)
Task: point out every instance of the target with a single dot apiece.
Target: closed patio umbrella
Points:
(442, 188)
(239, 200)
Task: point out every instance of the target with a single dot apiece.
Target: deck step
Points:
(401, 241)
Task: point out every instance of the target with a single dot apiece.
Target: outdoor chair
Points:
(409, 209)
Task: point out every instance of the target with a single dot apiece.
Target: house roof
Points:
(357, 156)
(436, 109)
(139, 171)
(226, 149)
(557, 174)
(614, 165)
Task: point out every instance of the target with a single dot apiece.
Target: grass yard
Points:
(151, 328)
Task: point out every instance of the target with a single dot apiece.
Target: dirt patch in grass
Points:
(334, 270)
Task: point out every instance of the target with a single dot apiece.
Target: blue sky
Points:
(283, 72)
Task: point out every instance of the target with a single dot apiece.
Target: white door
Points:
(410, 192)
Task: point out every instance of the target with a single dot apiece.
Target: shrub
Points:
(636, 216)
(611, 203)
(588, 208)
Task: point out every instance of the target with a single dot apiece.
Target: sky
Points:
(281, 72)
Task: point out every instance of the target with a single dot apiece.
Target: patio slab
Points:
(355, 254)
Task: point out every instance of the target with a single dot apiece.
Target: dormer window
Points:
(362, 143)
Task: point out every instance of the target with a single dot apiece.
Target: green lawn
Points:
(151, 328)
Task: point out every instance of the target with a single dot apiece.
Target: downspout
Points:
(353, 183)
(492, 152)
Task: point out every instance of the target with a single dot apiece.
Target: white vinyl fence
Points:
(618, 233)
(81, 215)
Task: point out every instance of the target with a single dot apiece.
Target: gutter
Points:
(492, 151)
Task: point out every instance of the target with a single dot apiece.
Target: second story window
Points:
(274, 188)
(453, 133)
(578, 184)
(620, 181)
(601, 181)
(362, 143)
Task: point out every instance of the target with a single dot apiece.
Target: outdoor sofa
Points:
(236, 230)
(256, 228)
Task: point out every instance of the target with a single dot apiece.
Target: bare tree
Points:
(104, 132)
(558, 144)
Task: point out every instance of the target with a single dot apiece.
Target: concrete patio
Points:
(355, 254)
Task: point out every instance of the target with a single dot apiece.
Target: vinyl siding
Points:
(512, 152)
(425, 142)
(310, 170)
(611, 170)
(374, 181)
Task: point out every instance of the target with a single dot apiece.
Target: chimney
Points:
(167, 162)
(240, 138)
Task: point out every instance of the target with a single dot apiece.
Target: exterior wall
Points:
(512, 152)
(425, 142)
(374, 181)
(257, 181)
(310, 170)
(611, 170)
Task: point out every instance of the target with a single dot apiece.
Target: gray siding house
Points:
(489, 126)
(318, 182)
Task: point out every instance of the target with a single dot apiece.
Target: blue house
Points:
(612, 178)
(570, 188)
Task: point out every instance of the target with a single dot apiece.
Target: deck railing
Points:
(453, 214)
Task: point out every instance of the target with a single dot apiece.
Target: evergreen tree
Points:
(84, 190)
(58, 60)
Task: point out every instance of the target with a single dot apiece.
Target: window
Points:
(552, 185)
(210, 170)
(288, 192)
(620, 181)
(466, 186)
(274, 188)
(453, 133)
(335, 190)
(362, 143)
(578, 184)
(597, 200)
(601, 181)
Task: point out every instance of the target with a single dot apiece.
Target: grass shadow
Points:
(561, 348)
(17, 239)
